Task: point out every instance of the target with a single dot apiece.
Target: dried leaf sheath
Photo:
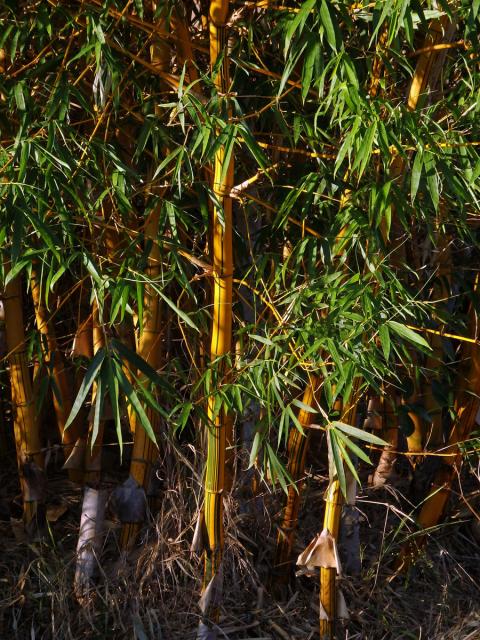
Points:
(222, 313)
(27, 437)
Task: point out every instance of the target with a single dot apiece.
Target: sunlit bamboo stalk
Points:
(334, 501)
(328, 576)
(217, 438)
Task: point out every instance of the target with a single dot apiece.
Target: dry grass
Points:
(154, 594)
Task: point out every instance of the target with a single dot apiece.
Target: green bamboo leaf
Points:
(88, 380)
(385, 340)
(99, 397)
(304, 407)
(408, 334)
(113, 392)
(337, 460)
(348, 460)
(365, 150)
(360, 434)
(19, 96)
(432, 179)
(261, 339)
(298, 23)
(139, 363)
(181, 314)
(416, 174)
(353, 447)
(327, 22)
(257, 441)
(134, 401)
(313, 52)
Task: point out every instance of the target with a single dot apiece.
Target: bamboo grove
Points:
(230, 230)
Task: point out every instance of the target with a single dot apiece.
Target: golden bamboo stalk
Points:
(331, 523)
(150, 339)
(27, 436)
(221, 337)
(328, 576)
(149, 348)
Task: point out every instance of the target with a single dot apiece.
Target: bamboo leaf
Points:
(99, 396)
(88, 380)
(360, 434)
(134, 401)
(113, 392)
(337, 460)
(181, 314)
(139, 363)
(416, 174)
(408, 334)
(327, 22)
(385, 340)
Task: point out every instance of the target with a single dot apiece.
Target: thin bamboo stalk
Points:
(221, 339)
(297, 451)
(27, 436)
(331, 523)
(433, 364)
(328, 576)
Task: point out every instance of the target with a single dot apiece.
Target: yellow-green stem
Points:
(221, 337)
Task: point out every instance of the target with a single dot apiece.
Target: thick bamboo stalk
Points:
(149, 344)
(184, 44)
(149, 348)
(221, 337)
(27, 437)
(62, 394)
